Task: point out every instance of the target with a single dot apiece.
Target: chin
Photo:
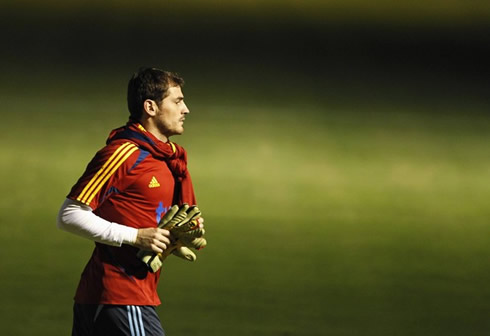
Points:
(176, 131)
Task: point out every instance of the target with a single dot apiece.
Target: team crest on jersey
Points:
(153, 183)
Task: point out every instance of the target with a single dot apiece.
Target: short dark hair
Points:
(149, 83)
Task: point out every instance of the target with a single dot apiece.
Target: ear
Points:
(150, 107)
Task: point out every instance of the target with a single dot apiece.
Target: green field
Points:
(323, 218)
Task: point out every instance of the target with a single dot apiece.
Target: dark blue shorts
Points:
(104, 320)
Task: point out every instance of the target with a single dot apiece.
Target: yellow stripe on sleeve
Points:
(101, 171)
(117, 165)
(107, 173)
(99, 176)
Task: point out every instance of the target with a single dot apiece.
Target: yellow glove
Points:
(185, 229)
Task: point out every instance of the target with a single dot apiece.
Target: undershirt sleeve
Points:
(79, 219)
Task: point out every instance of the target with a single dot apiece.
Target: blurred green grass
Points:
(322, 218)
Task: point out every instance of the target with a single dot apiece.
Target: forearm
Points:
(79, 219)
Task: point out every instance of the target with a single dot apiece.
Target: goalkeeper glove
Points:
(185, 230)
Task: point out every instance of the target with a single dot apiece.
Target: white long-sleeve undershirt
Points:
(79, 219)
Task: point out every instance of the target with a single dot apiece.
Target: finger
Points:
(179, 216)
(185, 227)
(161, 237)
(147, 257)
(164, 232)
(155, 263)
(183, 218)
(198, 223)
(198, 243)
(168, 216)
(156, 249)
(193, 212)
(195, 233)
(185, 253)
(159, 246)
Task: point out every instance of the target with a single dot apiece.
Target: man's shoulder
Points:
(115, 154)
(118, 148)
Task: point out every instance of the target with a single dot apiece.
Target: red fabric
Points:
(148, 180)
(176, 161)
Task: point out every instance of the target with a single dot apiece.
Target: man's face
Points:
(170, 114)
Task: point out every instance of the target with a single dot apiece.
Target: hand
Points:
(153, 239)
(154, 261)
(185, 229)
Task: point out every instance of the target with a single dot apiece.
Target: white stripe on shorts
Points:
(135, 319)
(140, 319)
(130, 320)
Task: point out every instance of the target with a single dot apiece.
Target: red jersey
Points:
(126, 184)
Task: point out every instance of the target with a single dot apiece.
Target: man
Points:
(118, 202)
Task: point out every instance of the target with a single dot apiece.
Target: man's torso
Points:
(130, 188)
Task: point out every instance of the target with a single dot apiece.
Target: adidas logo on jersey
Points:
(153, 183)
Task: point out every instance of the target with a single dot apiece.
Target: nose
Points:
(185, 109)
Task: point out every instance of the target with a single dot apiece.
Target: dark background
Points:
(379, 52)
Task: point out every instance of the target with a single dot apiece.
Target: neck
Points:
(150, 127)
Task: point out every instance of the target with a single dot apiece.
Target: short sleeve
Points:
(104, 174)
